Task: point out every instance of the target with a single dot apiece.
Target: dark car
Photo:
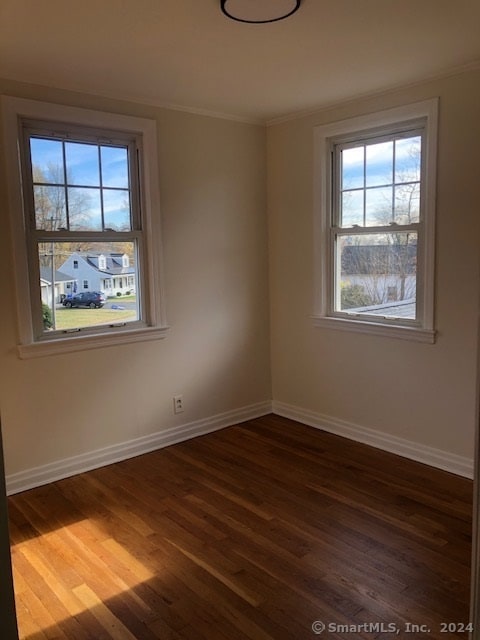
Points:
(92, 299)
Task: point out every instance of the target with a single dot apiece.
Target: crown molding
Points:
(447, 73)
(212, 114)
(132, 99)
(260, 121)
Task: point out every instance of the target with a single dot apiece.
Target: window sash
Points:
(79, 134)
(36, 236)
(336, 230)
(364, 139)
(334, 307)
(36, 302)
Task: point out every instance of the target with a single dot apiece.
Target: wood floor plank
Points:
(112, 625)
(249, 533)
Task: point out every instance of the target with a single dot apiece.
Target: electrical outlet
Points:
(177, 404)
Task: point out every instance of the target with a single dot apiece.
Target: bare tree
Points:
(56, 210)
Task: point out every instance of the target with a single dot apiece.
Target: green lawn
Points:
(76, 318)
(120, 298)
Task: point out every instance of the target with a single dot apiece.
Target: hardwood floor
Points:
(254, 532)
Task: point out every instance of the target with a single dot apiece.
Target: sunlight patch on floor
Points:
(74, 569)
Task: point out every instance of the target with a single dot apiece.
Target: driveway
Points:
(120, 304)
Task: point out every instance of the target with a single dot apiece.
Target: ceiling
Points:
(187, 54)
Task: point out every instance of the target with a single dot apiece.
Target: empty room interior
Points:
(240, 292)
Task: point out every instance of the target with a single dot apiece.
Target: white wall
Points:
(217, 353)
(419, 392)
(212, 180)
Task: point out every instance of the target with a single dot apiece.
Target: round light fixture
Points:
(259, 11)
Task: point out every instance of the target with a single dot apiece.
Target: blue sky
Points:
(379, 163)
(380, 172)
(83, 171)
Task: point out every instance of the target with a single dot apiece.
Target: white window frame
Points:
(325, 136)
(153, 325)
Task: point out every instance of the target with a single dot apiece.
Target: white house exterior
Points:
(63, 285)
(109, 273)
(383, 276)
(384, 288)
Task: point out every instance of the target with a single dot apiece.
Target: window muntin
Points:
(79, 186)
(380, 181)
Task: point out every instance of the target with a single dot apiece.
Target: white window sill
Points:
(92, 341)
(415, 334)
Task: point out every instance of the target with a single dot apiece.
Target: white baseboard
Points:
(406, 448)
(60, 469)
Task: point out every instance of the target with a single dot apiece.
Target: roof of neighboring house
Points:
(399, 309)
(60, 276)
(113, 268)
(114, 263)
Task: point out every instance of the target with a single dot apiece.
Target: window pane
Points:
(82, 164)
(378, 206)
(379, 164)
(114, 167)
(352, 168)
(116, 207)
(352, 208)
(84, 209)
(50, 211)
(408, 159)
(47, 160)
(94, 284)
(377, 274)
(407, 203)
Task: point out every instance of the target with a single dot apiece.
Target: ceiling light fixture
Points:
(259, 11)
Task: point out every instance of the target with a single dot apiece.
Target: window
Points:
(375, 222)
(84, 204)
